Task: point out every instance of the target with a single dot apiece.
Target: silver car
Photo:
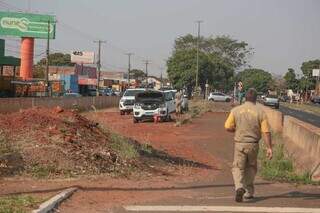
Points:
(219, 96)
(271, 100)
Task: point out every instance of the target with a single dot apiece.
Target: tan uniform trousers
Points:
(245, 166)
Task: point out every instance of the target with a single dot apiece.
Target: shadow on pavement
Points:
(292, 194)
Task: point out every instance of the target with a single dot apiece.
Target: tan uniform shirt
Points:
(249, 121)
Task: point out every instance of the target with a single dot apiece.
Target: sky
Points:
(283, 33)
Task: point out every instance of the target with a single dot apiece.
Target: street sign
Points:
(27, 25)
(316, 72)
(80, 57)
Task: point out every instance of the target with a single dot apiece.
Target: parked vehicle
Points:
(271, 100)
(152, 103)
(315, 99)
(185, 101)
(72, 94)
(218, 96)
(170, 101)
(127, 101)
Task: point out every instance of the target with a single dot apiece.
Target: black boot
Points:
(239, 194)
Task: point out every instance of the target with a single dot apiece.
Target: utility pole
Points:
(99, 64)
(47, 61)
(198, 42)
(147, 62)
(129, 66)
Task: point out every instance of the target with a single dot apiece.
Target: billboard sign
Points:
(27, 25)
(80, 57)
(316, 72)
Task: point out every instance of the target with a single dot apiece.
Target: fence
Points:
(85, 103)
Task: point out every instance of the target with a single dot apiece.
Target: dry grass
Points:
(313, 109)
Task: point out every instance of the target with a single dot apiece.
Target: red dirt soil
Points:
(164, 136)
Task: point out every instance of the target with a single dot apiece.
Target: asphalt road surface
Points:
(303, 116)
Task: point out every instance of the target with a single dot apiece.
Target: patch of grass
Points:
(41, 172)
(123, 147)
(5, 147)
(146, 148)
(17, 204)
(281, 167)
(304, 107)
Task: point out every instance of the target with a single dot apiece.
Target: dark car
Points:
(315, 99)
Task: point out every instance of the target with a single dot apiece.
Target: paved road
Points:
(304, 116)
(218, 196)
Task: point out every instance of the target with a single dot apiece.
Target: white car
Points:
(127, 100)
(218, 96)
(153, 103)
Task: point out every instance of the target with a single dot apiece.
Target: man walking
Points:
(249, 122)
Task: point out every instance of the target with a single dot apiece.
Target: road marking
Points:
(220, 209)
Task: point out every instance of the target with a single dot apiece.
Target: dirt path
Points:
(204, 140)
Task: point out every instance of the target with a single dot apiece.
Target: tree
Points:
(57, 59)
(137, 74)
(307, 67)
(255, 78)
(218, 59)
(291, 81)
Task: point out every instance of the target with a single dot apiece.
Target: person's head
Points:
(251, 95)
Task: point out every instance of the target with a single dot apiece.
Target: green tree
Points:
(255, 78)
(307, 68)
(291, 80)
(218, 59)
(137, 74)
(57, 59)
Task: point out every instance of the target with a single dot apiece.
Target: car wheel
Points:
(277, 107)
(211, 99)
(135, 120)
(228, 100)
(122, 112)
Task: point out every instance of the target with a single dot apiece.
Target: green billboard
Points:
(27, 25)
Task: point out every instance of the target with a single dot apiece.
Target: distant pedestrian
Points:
(178, 100)
(249, 122)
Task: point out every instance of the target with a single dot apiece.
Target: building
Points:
(116, 80)
(78, 78)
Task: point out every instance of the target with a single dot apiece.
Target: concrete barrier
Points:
(303, 144)
(8, 105)
(275, 118)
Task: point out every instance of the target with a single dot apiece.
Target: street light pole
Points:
(198, 42)
(99, 64)
(147, 62)
(129, 66)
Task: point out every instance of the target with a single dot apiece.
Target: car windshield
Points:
(272, 96)
(132, 92)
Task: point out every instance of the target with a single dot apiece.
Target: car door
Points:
(170, 101)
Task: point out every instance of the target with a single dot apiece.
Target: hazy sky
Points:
(283, 33)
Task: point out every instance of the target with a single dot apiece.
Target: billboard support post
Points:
(27, 51)
(47, 61)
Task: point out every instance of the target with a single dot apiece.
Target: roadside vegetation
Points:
(18, 204)
(281, 167)
(313, 109)
(198, 107)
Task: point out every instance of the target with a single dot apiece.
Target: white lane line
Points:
(220, 209)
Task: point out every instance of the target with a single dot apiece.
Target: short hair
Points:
(251, 95)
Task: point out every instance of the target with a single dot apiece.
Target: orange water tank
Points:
(27, 52)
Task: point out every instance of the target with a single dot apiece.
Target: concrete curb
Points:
(50, 204)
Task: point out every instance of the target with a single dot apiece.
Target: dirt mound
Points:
(54, 142)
